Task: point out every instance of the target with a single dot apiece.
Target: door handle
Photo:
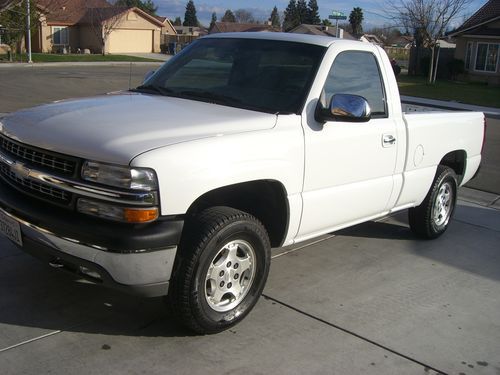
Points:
(388, 140)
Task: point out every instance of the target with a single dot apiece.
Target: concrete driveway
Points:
(371, 299)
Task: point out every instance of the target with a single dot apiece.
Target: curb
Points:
(83, 63)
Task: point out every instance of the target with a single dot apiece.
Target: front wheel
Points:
(431, 218)
(221, 269)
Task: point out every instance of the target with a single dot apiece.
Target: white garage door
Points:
(121, 41)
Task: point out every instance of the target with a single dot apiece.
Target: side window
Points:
(357, 73)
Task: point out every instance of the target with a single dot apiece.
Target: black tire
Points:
(204, 254)
(431, 218)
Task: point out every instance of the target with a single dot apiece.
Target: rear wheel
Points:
(431, 218)
(221, 269)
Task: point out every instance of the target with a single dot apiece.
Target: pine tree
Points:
(291, 19)
(302, 12)
(177, 21)
(213, 21)
(355, 19)
(313, 12)
(228, 16)
(190, 18)
(275, 18)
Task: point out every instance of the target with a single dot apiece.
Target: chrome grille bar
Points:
(37, 157)
(34, 186)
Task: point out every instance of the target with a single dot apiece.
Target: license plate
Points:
(10, 229)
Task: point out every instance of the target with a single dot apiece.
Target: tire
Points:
(220, 271)
(431, 218)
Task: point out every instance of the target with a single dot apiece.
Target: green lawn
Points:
(49, 57)
(469, 93)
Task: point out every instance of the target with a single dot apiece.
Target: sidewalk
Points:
(443, 104)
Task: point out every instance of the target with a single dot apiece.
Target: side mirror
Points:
(344, 107)
(148, 75)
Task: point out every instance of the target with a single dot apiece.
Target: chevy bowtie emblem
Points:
(20, 170)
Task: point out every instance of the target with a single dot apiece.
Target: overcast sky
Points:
(373, 10)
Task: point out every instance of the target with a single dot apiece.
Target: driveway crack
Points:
(352, 333)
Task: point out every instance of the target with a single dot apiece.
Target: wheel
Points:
(431, 218)
(221, 269)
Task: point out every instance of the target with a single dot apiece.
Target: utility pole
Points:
(28, 25)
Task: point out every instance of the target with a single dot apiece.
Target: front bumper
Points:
(137, 259)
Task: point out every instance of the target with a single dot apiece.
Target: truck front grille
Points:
(36, 157)
(35, 188)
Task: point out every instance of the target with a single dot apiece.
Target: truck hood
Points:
(116, 127)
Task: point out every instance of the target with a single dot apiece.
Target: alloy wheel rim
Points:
(230, 275)
(443, 205)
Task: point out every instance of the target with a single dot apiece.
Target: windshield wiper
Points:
(153, 88)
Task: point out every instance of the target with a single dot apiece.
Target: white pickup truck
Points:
(241, 142)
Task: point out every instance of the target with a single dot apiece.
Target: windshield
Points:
(263, 75)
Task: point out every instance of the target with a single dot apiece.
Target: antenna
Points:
(130, 76)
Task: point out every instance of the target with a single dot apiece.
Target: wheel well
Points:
(456, 160)
(264, 199)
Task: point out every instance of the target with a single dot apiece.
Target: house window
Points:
(60, 35)
(468, 54)
(487, 57)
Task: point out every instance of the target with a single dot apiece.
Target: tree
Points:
(275, 18)
(177, 21)
(148, 6)
(13, 20)
(228, 16)
(429, 20)
(190, 18)
(356, 19)
(291, 19)
(244, 16)
(326, 22)
(313, 12)
(302, 12)
(213, 21)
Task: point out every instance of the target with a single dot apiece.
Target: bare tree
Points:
(244, 16)
(103, 21)
(429, 20)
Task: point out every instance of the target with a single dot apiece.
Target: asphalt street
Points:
(370, 299)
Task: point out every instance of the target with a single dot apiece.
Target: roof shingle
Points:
(487, 12)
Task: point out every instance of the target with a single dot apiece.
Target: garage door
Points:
(122, 41)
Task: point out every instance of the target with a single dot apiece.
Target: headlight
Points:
(119, 176)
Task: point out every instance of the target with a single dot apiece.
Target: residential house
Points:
(233, 27)
(168, 28)
(77, 25)
(478, 44)
(373, 39)
(322, 30)
(190, 31)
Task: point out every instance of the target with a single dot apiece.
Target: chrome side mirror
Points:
(148, 75)
(345, 107)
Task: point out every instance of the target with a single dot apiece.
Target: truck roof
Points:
(319, 40)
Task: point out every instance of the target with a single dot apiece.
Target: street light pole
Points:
(28, 25)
